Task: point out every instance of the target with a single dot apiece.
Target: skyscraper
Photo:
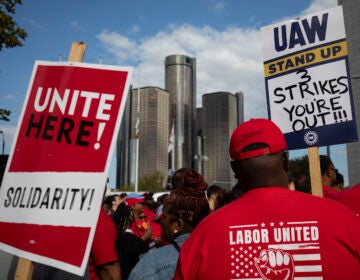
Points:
(222, 112)
(153, 133)
(123, 147)
(180, 82)
(153, 129)
(351, 9)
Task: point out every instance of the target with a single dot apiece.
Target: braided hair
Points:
(188, 202)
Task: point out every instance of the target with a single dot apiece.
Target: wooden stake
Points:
(77, 52)
(25, 268)
(315, 172)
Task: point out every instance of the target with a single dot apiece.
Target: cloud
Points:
(121, 47)
(134, 29)
(226, 60)
(76, 25)
(7, 97)
(32, 22)
(218, 6)
(318, 5)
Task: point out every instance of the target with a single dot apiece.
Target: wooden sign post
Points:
(25, 268)
(315, 172)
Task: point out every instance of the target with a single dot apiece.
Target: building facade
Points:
(351, 9)
(145, 126)
(153, 129)
(123, 147)
(180, 82)
(222, 112)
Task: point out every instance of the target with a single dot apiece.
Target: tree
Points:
(11, 35)
(4, 115)
(300, 174)
(153, 182)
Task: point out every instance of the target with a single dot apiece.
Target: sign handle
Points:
(25, 268)
(315, 172)
(77, 52)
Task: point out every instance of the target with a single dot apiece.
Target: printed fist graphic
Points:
(275, 265)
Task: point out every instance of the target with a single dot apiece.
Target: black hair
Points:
(123, 217)
(325, 164)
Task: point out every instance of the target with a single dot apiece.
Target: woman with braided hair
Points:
(183, 210)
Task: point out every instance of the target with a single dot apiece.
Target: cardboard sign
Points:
(54, 182)
(307, 79)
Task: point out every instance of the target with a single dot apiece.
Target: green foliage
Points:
(11, 35)
(299, 165)
(152, 182)
(300, 174)
(4, 115)
(129, 188)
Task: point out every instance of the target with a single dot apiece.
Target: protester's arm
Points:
(103, 254)
(110, 271)
(147, 235)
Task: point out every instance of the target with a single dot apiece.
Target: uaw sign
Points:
(54, 182)
(308, 85)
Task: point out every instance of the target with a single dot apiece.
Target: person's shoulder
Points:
(349, 197)
(150, 261)
(348, 192)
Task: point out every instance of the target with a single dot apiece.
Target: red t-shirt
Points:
(350, 197)
(328, 192)
(103, 248)
(274, 233)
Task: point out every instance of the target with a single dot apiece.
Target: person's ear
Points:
(178, 226)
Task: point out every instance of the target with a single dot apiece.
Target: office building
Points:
(123, 147)
(153, 136)
(153, 130)
(180, 82)
(351, 9)
(222, 112)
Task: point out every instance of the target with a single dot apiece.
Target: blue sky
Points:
(224, 36)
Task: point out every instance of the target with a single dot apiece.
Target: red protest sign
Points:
(65, 118)
(54, 183)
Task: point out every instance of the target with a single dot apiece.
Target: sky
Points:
(223, 36)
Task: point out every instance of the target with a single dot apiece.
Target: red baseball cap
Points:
(134, 200)
(256, 131)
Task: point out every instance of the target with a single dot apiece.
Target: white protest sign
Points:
(54, 181)
(307, 80)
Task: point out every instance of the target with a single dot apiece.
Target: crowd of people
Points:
(268, 226)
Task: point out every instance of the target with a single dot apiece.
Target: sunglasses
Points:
(142, 217)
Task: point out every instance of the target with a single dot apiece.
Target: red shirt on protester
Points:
(274, 233)
(350, 197)
(103, 248)
(328, 192)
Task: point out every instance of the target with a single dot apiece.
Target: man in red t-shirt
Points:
(271, 232)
